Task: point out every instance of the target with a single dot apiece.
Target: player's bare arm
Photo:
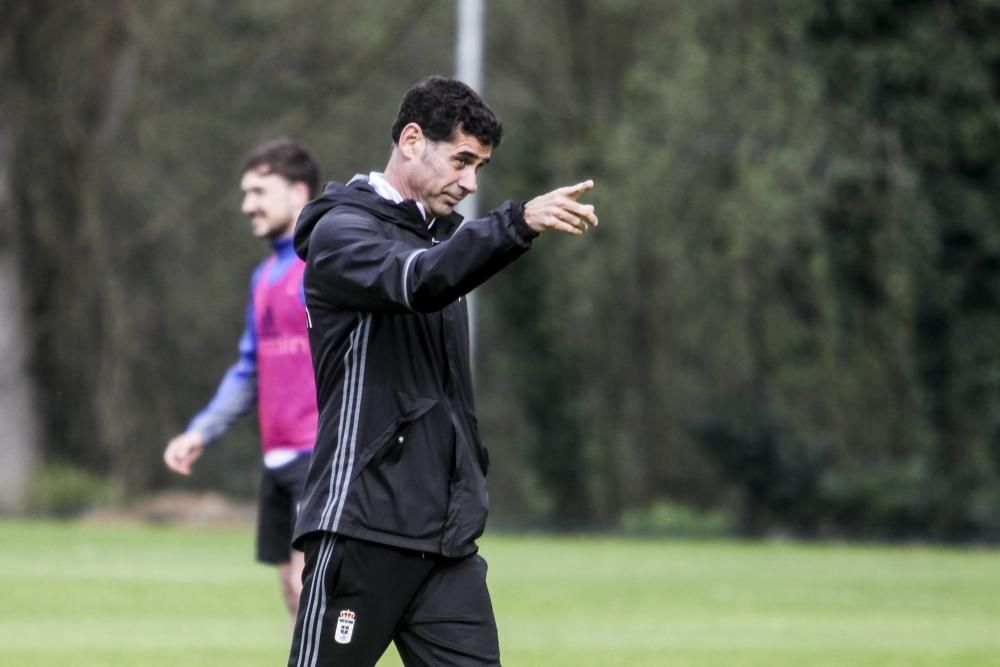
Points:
(560, 211)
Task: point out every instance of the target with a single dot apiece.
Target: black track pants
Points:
(358, 596)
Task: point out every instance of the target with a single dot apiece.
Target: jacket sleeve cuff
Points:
(522, 231)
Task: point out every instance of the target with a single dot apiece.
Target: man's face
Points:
(447, 171)
(272, 203)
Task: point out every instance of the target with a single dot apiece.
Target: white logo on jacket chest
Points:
(345, 627)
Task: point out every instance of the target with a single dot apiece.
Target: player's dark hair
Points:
(440, 106)
(287, 159)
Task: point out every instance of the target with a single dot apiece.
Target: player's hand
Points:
(183, 451)
(560, 211)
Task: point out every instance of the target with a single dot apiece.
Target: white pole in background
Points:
(469, 68)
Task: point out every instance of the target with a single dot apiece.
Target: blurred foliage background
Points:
(787, 322)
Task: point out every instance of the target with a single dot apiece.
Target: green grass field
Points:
(110, 596)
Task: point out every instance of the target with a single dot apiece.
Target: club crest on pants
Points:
(345, 627)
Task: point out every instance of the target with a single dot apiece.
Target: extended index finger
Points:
(580, 188)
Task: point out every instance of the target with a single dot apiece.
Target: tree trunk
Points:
(19, 434)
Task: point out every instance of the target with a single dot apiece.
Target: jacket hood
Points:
(360, 195)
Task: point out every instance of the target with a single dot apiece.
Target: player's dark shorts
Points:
(277, 507)
(358, 596)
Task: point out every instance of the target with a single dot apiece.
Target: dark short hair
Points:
(285, 158)
(440, 106)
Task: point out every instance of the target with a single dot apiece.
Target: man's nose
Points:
(468, 180)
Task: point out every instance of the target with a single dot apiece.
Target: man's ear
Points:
(412, 141)
(302, 191)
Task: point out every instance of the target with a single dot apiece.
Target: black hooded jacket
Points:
(398, 458)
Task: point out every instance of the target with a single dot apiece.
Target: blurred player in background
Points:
(274, 371)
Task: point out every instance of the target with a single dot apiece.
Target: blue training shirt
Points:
(237, 392)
